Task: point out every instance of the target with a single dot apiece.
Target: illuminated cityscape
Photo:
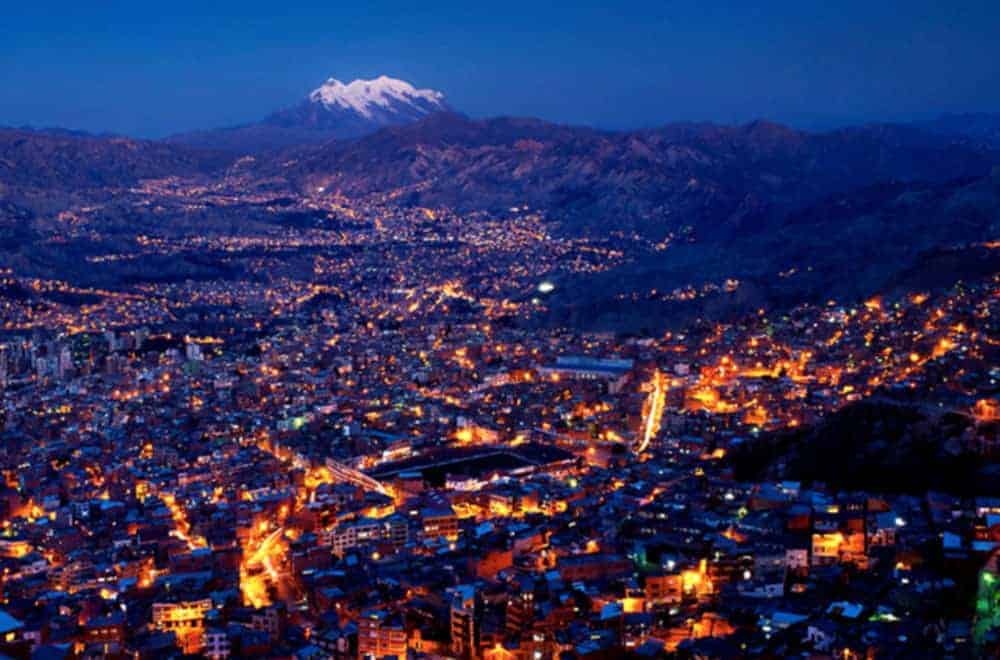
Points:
(370, 378)
(382, 458)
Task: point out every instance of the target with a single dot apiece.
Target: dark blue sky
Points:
(155, 68)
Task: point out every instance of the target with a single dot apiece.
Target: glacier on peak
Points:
(365, 96)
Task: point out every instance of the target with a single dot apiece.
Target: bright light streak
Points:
(654, 410)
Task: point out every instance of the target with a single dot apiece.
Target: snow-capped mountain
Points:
(334, 110)
(382, 97)
(360, 106)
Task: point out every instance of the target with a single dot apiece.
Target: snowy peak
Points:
(346, 110)
(334, 110)
(370, 98)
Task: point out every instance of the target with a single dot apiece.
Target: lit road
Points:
(653, 410)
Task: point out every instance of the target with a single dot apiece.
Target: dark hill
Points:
(874, 446)
(67, 161)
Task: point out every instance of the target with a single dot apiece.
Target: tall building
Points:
(186, 620)
(217, 646)
(381, 634)
(192, 351)
(520, 612)
(465, 622)
(65, 364)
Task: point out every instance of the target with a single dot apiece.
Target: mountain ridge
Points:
(652, 181)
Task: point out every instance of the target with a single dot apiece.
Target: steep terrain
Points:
(893, 237)
(717, 179)
(884, 445)
(45, 172)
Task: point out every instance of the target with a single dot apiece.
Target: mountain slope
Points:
(334, 110)
(63, 161)
(42, 171)
(892, 238)
(976, 128)
(713, 178)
